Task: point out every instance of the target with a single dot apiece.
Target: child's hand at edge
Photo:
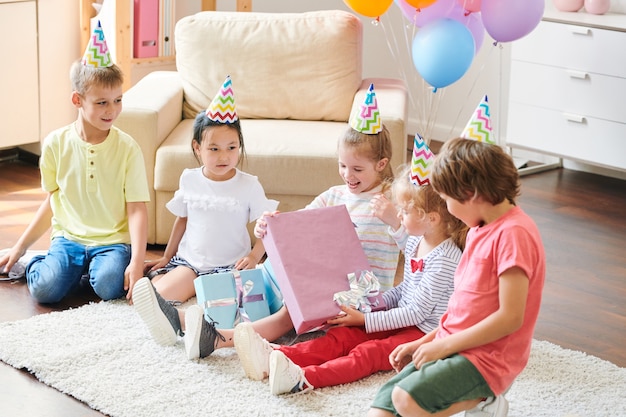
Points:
(261, 225)
(10, 258)
(132, 274)
(350, 317)
(428, 352)
(247, 262)
(402, 355)
(154, 264)
(385, 211)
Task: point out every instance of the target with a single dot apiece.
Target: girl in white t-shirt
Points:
(213, 206)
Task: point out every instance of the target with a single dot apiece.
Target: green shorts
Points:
(436, 385)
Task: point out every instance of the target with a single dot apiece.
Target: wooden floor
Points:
(582, 218)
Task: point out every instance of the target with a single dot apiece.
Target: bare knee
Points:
(405, 405)
(377, 412)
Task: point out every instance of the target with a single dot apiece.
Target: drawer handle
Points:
(574, 117)
(577, 74)
(577, 30)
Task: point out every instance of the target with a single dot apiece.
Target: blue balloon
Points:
(443, 51)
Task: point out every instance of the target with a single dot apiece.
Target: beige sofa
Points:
(296, 78)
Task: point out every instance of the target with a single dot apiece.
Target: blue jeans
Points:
(52, 277)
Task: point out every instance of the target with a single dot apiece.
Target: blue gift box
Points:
(229, 297)
(253, 294)
(217, 294)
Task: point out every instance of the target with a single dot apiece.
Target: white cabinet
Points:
(568, 89)
(19, 74)
(39, 40)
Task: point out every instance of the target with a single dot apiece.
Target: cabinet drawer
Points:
(589, 139)
(585, 93)
(575, 47)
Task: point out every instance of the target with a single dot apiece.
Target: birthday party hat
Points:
(97, 53)
(420, 161)
(222, 108)
(367, 118)
(479, 126)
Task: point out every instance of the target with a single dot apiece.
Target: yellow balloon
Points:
(369, 8)
(420, 4)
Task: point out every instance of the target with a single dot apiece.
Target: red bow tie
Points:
(417, 265)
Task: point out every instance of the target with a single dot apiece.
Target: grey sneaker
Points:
(491, 407)
(253, 351)
(159, 315)
(286, 376)
(201, 335)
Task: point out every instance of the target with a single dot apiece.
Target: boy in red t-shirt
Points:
(483, 340)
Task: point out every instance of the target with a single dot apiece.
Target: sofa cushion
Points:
(304, 149)
(319, 55)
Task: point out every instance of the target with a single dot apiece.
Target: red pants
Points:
(347, 354)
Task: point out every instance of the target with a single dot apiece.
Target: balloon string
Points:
(471, 90)
(395, 52)
(423, 113)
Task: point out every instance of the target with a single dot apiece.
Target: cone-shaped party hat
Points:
(479, 126)
(420, 161)
(97, 53)
(222, 108)
(367, 118)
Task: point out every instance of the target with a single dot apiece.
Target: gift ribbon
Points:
(248, 286)
(361, 288)
(220, 302)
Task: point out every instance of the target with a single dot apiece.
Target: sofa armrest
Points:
(151, 109)
(393, 103)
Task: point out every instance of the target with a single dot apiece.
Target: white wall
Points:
(443, 114)
(386, 54)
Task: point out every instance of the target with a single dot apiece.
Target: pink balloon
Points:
(445, 9)
(509, 20)
(471, 6)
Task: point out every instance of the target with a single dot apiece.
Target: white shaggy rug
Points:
(102, 355)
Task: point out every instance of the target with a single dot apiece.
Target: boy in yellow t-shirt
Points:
(95, 178)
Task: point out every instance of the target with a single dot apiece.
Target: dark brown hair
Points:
(466, 168)
(203, 123)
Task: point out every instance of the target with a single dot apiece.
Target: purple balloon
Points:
(451, 9)
(509, 20)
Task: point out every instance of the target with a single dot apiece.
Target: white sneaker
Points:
(491, 407)
(253, 350)
(201, 336)
(286, 376)
(194, 316)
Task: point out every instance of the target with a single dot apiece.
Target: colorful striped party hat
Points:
(97, 53)
(367, 118)
(420, 162)
(222, 108)
(479, 126)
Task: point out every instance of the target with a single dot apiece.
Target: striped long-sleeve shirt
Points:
(380, 247)
(422, 297)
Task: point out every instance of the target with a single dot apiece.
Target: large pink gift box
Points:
(312, 251)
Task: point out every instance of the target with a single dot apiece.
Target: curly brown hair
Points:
(426, 199)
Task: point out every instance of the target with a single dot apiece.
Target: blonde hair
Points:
(375, 147)
(426, 199)
(83, 77)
